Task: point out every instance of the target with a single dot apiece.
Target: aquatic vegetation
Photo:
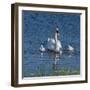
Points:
(66, 72)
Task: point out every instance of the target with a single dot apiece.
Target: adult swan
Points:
(54, 44)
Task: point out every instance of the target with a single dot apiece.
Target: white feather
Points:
(70, 48)
(42, 49)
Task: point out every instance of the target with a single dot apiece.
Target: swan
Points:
(54, 44)
(70, 48)
(42, 49)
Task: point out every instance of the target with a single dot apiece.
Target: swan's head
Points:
(41, 45)
(57, 29)
(57, 33)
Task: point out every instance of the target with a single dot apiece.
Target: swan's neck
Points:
(56, 37)
(56, 42)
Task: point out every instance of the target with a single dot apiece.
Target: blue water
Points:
(37, 27)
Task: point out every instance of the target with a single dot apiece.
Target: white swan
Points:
(42, 49)
(54, 44)
(70, 48)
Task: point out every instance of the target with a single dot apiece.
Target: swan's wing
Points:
(51, 44)
(59, 44)
(70, 48)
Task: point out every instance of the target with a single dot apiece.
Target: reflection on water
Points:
(51, 64)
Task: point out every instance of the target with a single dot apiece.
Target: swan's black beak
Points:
(57, 31)
(58, 35)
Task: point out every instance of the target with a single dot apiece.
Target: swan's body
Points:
(70, 48)
(54, 44)
(42, 49)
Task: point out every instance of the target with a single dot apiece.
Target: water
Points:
(37, 27)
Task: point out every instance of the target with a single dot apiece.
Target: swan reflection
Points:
(56, 59)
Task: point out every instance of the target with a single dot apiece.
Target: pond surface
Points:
(51, 64)
(37, 27)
